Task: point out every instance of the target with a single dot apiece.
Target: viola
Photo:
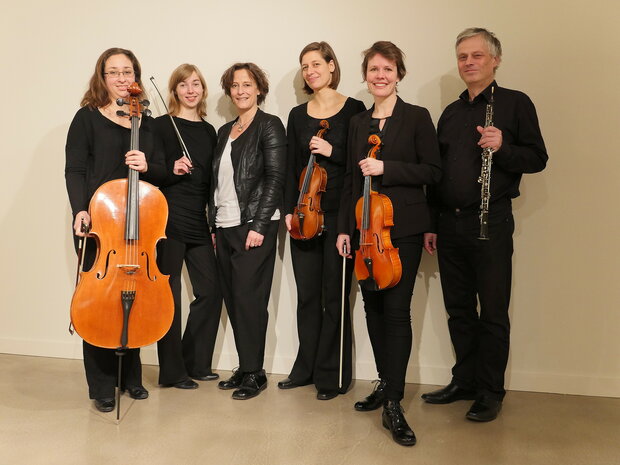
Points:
(123, 301)
(377, 264)
(308, 218)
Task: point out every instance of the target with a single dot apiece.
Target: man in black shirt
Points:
(474, 270)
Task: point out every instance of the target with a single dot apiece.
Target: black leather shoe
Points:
(448, 394)
(208, 377)
(187, 383)
(287, 383)
(484, 409)
(251, 386)
(394, 419)
(326, 394)
(137, 392)
(374, 400)
(233, 382)
(105, 404)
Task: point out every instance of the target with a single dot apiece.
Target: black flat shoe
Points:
(326, 394)
(233, 382)
(287, 383)
(208, 377)
(251, 386)
(448, 394)
(394, 419)
(137, 392)
(484, 409)
(374, 400)
(187, 383)
(105, 404)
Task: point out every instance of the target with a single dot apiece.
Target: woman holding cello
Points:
(318, 129)
(97, 152)
(187, 233)
(404, 158)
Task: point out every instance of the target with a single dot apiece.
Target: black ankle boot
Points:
(233, 382)
(374, 400)
(394, 420)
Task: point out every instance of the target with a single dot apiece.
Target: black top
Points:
(187, 194)
(300, 129)
(95, 154)
(522, 151)
(410, 156)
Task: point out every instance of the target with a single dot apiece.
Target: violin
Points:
(308, 219)
(377, 264)
(123, 301)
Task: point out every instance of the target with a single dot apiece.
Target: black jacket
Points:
(410, 155)
(259, 162)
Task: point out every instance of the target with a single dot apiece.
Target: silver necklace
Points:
(241, 126)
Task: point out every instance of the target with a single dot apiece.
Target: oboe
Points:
(485, 176)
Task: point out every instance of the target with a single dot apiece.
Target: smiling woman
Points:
(188, 240)
(316, 263)
(248, 182)
(96, 153)
(408, 160)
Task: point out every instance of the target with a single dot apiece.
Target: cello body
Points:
(123, 266)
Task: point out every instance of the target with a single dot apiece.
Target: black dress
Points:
(95, 154)
(316, 262)
(188, 240)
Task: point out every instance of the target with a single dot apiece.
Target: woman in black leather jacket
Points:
(248, 183)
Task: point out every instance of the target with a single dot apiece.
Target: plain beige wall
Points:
(566, 324)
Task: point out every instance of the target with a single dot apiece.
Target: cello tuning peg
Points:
(146, 112)
(121, 113)
(145, 103)
(120, 102)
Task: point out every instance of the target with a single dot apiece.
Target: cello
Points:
(308, 220)
(123, 301)
(377, 264)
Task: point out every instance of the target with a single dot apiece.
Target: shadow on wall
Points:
(292, 80)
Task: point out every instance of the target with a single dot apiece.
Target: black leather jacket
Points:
(259, 162)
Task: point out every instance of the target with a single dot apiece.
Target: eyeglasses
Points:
(116, 74)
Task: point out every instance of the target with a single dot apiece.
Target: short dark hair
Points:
(259, 76)
(97, 93)
(327, 52)
(387, 50)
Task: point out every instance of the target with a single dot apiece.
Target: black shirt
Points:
(300, 129)
(187, 194)
(522, 151)
(95, 154)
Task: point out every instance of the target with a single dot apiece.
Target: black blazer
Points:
(259, 163)
(410, 155)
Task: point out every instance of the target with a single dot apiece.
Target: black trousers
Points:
(318, 278)
(191, 354)
(246, 277)
(388, 317)
(475, 271)
(101, 365)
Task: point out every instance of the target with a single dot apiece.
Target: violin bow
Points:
(81, 252)
(176, 130)
(344, 277)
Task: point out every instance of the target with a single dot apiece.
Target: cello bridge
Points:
(129, 269)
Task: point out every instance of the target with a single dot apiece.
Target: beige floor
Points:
(46, 418)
